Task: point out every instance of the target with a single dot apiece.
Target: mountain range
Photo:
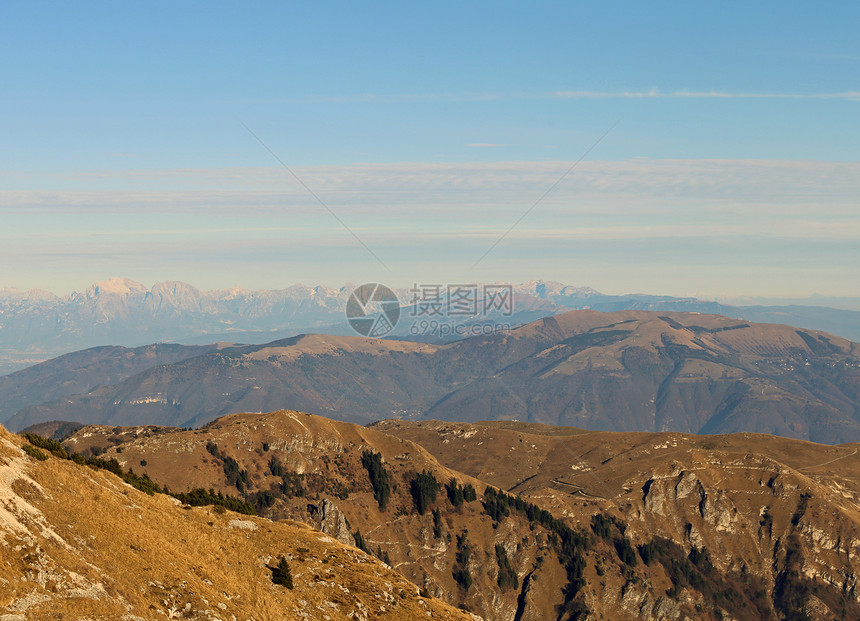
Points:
(36, 325)
(619, 371)
(511, 521)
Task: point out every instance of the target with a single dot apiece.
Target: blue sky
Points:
(429, 130)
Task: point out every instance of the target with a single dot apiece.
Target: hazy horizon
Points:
(815, 299)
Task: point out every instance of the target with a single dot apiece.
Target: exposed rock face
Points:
(329, 519)
(774, 516)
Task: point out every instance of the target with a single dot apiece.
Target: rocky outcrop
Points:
(330, 520)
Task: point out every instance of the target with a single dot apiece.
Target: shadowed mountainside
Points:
(621, 371)
(79, 371)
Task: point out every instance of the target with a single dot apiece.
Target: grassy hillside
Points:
(77, 543)
(562, 522)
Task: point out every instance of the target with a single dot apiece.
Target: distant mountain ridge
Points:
(79, 371)
(123, 312)
(620, 371)
(36, 325)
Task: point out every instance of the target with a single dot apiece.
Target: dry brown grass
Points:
(77, 543)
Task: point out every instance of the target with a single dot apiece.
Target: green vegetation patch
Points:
(32, 451)
(380, 480)
(424, 489)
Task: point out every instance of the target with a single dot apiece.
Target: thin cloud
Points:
(653, 93)
(656, 94)
(485, 145)
(455, 195)
(374, 98)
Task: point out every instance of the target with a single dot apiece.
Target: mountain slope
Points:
(762, 506)
(77, 372)
(310, 469)
(324, 374)
(80, 544)
(843, 322)
(633, 370)
(659, 526)
(623, 371)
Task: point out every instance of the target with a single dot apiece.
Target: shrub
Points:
(261, 500)
(600, 524)
(569, 543)
(648, 552)
(292, 485)
(275, 467)
(625, 551)
(32, 451)
(143, 483)
(742, 599)
(469, 493)
(199, 497)
(458, 494)
(801, 508)
(48, 444)
(463, 577)
(236, 477)
(495, 505)
(196, 497)
(383, 556)
(455, 492)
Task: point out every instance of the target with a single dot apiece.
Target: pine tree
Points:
(437, 524)
(281, 574)
(379, 478)
(424, 489)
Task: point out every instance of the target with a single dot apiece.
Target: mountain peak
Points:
(31, 295)
(115, 286)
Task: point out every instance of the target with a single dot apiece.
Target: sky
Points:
(668, 147)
